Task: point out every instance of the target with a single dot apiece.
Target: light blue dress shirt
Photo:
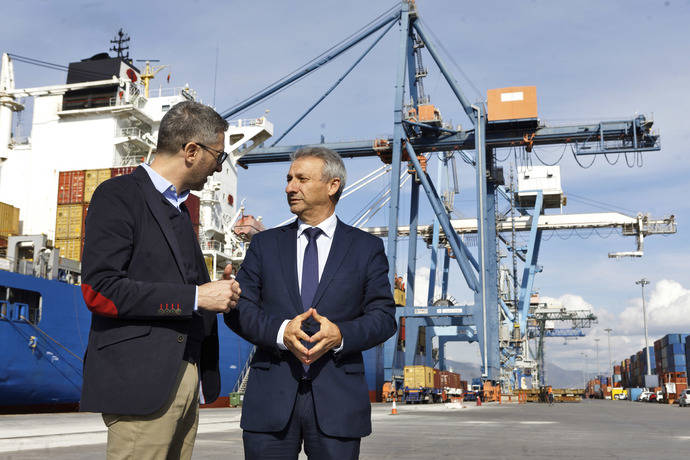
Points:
(168, 190)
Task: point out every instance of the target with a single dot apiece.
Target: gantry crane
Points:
(571, 322)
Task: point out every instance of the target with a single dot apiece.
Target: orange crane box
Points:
(513, 103)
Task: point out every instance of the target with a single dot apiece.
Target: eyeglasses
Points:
(219, 154)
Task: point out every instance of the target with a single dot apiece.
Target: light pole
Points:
(643, 282)
(597, 343)
(608, 335)
(584, 369)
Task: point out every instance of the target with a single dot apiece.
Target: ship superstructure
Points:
(102, 121)
(101, 118)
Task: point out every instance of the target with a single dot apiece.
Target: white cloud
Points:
(668, 310)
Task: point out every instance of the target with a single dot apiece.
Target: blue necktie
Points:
(310, 268)
(310, 275)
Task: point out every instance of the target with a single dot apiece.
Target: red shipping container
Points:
(445, 379)
(71, 187)
(193, 204)
(437, 378)
(122, 170)
(455, 379)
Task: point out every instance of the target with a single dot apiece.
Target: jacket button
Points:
(180, 339)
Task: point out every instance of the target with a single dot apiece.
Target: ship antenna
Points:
(120, 39)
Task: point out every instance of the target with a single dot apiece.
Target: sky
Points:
(590, 61)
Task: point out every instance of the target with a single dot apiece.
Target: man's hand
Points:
(327, 338)
(227, 272)
(219, 296)
(293, 334)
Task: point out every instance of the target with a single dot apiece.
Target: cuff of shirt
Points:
(340, 348)
(196, 299)
(281, 331)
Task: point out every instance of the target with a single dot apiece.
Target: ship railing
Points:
(212, 245)
(172, 91)
(131, 132)
(247, 122)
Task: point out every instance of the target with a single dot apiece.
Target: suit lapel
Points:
(288, 263)
(342, 238)
(159, 209)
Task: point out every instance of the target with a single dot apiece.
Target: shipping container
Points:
(70, 248)
(513, 103)
(92, 179)
(69, 221)
(193, 205)
(71, 187)
(9, 220)
(122, 170)
(418, 376)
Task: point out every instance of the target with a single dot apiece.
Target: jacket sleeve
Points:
(248, 319)
(108, 248)
(377, 323)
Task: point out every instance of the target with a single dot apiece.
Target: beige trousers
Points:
(164, 435)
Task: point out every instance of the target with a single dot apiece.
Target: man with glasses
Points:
(154, 332)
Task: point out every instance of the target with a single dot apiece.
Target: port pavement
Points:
(587, 430)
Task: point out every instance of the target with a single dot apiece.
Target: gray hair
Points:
(333, 166)
(189, 121)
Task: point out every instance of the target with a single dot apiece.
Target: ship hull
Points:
(41, 363)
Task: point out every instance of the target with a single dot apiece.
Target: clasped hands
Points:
(328, 337)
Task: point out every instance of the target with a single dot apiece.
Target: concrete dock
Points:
(586, 430)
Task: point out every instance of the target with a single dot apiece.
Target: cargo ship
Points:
(102, 122)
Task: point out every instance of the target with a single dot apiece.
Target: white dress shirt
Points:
(323, 246)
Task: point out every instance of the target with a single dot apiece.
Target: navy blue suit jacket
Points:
(142, 303)
(354, 293)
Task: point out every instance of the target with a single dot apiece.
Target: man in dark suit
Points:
(154, 332)
(315, 294)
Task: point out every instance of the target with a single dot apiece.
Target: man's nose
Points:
(290, 187)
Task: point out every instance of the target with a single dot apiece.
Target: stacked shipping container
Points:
(75, 190)
(9, 223)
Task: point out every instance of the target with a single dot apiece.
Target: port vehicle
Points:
(470, 395)
(684, 398)
(645, 395)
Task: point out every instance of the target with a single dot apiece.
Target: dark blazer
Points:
(134, 284)
(354, 293)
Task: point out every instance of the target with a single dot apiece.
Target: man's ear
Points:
(191, 152)
(333, 187)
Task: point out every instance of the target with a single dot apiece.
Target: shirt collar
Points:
(327, 226)
(164, 186)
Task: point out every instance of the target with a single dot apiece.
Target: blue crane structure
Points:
(411, 140)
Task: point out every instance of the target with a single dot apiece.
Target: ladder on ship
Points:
(241, 384)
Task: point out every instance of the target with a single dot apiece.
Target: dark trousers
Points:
(303, 426)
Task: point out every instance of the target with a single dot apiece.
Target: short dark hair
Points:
(189, 121)
(333, 165)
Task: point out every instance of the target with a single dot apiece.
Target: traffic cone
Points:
(479, 400)
(394, 409)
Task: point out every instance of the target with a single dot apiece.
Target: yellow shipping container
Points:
(209, 265)
(92, 179)
(70, 248)
(418, 376)
(68, 222)
(9, 220)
